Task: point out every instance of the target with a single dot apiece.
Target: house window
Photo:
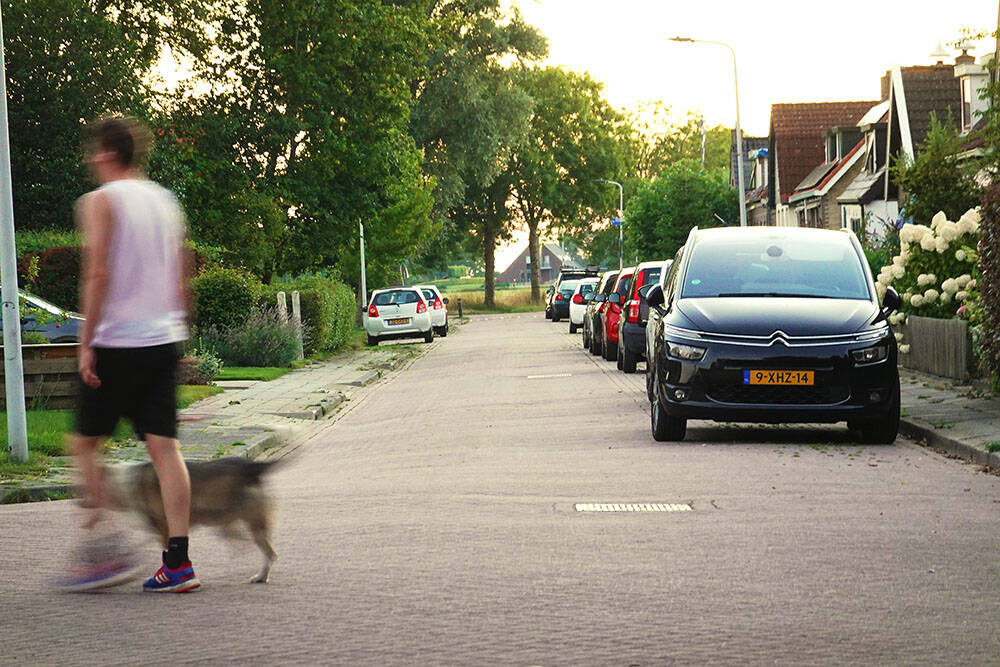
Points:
(966, 104)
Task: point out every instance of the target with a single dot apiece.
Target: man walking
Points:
(134, 298)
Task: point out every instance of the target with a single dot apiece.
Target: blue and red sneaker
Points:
(96, 576)
(166, 580)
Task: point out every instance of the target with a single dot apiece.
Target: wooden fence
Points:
(50, 376)
(937, 346)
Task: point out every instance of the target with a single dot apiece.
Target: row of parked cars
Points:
(755, 324)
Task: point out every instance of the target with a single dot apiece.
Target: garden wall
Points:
(937, 346)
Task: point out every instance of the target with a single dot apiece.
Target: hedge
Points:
(224, 297)
(58, 275)
(327, 310)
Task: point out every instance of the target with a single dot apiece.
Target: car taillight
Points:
(421, 307)
(372, 311)
(559, 297)
(633, 312)
(438, 305)
(577, 298)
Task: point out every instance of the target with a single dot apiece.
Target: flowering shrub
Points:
(935, 271)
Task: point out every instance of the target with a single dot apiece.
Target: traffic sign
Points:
(616, 221)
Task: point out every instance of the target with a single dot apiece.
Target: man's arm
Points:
(93, 219)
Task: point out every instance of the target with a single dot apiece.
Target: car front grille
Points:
(768, 395)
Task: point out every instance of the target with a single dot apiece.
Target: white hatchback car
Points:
(578, 304)
(437, 306)
(398, 312)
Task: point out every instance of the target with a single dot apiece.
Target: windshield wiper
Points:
(776, 294)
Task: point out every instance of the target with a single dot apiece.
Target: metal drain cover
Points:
(633, 507)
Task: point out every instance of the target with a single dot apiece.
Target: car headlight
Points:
(688, 352)
(870, 355)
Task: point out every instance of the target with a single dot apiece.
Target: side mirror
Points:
(644, 290)
(588, 297)
(891, 302)
(654, 296)
(614, 297)
(600, 298)
(550, 290)
(446, 301)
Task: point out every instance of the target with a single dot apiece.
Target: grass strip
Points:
(192, 393)
(265, 373)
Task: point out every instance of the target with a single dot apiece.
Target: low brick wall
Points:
(50, 376)
(937, 346)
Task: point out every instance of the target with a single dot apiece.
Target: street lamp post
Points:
(621, 214)
(739, 133)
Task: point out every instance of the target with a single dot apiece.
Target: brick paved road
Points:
(433, 523)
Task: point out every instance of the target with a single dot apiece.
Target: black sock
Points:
(176, 553)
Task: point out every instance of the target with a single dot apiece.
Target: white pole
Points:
(621, 215)
(364, 281)
(739, 132)
(17, 429)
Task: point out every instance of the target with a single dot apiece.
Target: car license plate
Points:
(398, 320)
(779, 377)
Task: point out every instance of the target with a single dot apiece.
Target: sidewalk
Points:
(249, 417)
(960, 420)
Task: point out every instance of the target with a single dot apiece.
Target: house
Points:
(758, 211)
(870, 203)
(797, 143)
(553, 258)
(814, 200)
(750, 145)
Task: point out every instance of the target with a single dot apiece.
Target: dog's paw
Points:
(259, 578)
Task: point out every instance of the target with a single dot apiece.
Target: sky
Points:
(786, 50)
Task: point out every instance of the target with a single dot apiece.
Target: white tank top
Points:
(143, 306)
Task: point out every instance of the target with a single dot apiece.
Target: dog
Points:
(224, 492)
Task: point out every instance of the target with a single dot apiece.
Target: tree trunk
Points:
(489, 259)
(536, 257)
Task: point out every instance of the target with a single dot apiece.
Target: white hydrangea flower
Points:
(917, 300)
(938, 218)
(949, 285)
(961, 296)
(945, 297)
(965, 226)
(898, 260)
(896, 318)
(941, 244)
(904, 349)
(963, 280)
(922, 279)
(972, 215)
(906, 296)
(928, 243)
(949, 231)
(898, 336)
(960, 255)
(880, 290)
(898, 272)
(905, 235)
(931, 295)
(970, 285)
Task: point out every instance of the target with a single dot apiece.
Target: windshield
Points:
(429, 295)
(568, 286)
(769, 266)
(587, 288)
(397, 297)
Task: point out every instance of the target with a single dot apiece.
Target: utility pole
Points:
(621, 216)
(17, 428)
(364, 277)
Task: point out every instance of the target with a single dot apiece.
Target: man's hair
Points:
(124, 136)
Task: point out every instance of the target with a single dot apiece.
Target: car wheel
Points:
(429, 335)
(595, 343)
(619, 356)
(555, 318)
(629, 360)
(610, 353)
(883, 431)
(572, 328)
(443, 332)
(586, 337)
(649, 381)
(665, 428)
(372, 340)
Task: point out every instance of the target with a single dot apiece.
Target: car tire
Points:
(572, 328)
(619, 357)
(595, 343)
(443, 331)
(555, 318)
(429, 335)
(586, 337)
(610, 353)
(883, 431)
(665, 428)
(372, 341)
(649, 382)
(629, 360)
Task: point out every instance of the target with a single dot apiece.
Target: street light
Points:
(621, 213)
(739, 133)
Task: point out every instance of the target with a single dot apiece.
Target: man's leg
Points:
(85, 450)
(175, 484)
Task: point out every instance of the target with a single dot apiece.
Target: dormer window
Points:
(832, 154)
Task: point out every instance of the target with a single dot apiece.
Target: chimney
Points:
(965, 58)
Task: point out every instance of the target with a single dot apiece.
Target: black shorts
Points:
(138, 383)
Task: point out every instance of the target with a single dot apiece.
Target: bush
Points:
(58, 278)
(328, 310)
(988, 334)
(205, 367)
(224, 298)
(262, 339)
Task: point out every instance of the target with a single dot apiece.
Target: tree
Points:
(574, 139)
(659, 140)
(662, 212)
(936, 180)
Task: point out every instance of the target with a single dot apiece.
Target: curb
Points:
(949, 445)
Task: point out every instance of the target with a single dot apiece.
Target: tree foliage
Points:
(662, 212)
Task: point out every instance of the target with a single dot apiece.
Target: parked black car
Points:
(592, 318)
(556, 300)
(765, 324)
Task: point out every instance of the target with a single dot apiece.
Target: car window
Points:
(397, 297)
(429, 295)
(568, 286)
(769, 266)
(587, 288)
(609, 282)
(670, 282)
(624, 285)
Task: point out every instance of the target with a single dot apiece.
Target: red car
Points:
(611, 313)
